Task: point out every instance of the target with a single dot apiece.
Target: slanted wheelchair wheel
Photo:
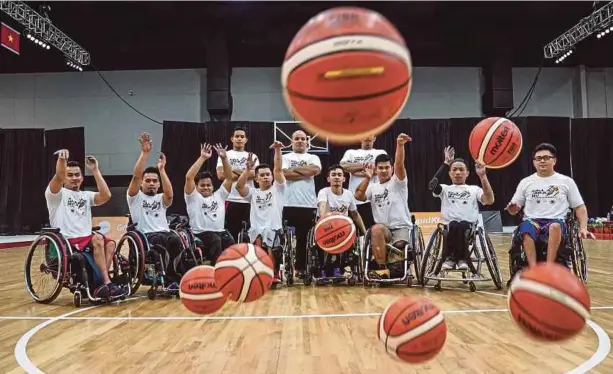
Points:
(290, 258)
(418, 250)
(430, 255)
(489, 253)
(579, 259)
(131, 248)
(47, 258)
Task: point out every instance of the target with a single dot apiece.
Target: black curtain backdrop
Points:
(22, 181)
(592, 162)
(590, 141)
(72, 139)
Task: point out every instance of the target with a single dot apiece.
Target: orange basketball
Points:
(335, 233)
(412, 329)
(199, 292)
(549, 303)
(347, 74)
(495, 142)
(244, 272)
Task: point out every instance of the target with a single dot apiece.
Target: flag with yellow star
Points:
(9, 38)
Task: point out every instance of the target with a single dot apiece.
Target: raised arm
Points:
(166, 185)
(241, 183)
(104, 193)
(488, 193)
(55, 185)
(278, 163)
(434, 185)
(205, 154)
(399, 169)
(137, 174)
(227, 168)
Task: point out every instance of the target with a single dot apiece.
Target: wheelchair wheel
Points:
(131, 259)
(430, 255)
(579, 258)
(418, 250)
(489, 253)
(47, 258)
(289, 256)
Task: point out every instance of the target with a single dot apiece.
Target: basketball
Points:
(347, 74)
(199, 292)
(495, 142)
(412, 329)
(549, 303)
(335, 233)
(244, 272)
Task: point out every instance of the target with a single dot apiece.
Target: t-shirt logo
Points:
(210, 208)
(297, 163)
(264, 202)
(462, 196)
(237, 163)
(547, 193)
(340, 209)
(381, 198)
(77, 206)
(366, 159)
(152, 207)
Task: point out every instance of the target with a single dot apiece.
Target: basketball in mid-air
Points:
(347, 74)
(199, 292)
(335, 233)
(495, 142)
(549, 303)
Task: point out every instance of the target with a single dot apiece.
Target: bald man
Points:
(300, 168)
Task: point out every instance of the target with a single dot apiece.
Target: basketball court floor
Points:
(329, 329)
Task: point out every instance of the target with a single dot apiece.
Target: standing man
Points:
(237, 209)
(299, 169)
(353, 162)
(148, 206)
(70, 210)
(546, 197)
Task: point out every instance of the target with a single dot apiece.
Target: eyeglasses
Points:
(543, 158)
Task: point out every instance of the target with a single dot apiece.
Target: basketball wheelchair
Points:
(399, 260)
(284, 251)
(71, 268)
(571, 252)
(480, 251)
(148, 263)
(319, 263)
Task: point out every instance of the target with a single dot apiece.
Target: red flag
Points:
(9, 38)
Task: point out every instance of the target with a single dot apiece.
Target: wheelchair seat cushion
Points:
(538, 229)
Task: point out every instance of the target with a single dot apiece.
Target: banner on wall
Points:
(428, 221)
(112, 227)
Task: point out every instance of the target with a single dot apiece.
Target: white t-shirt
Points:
(460, 202)
(207, 213)
(547, 198)
(343, 203)
(361, 156)
(71, 211)
(149, 212)
(390, 203)
(238, 160)
(300, 193)
(266, 207)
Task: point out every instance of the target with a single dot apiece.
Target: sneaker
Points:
(278, 278)
(116, 290)
(379, 274)
(462, 265)
(174, 286)
(102, 292)
(336, 273)
(323, 274)
(448, 265)
(347, 273)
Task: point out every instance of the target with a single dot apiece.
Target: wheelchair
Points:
(192, 254)
(69, 268)
(571, 252)
(480, 251)
(314, 269)
(150, 262)
(284, 253)
(399, 261)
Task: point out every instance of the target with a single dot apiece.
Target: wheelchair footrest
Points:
(469, 278)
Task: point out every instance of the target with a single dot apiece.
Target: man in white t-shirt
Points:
(459, 206)
(237, 208)
(266, 204)
(336, 199)
(546, 197)
(353, 162)
(148, 206)
(70, 210)
(207, 209)
(300, 169)
(389, 199)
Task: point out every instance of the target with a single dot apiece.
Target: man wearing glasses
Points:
(546, 197)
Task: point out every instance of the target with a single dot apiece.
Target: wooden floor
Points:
(323, 330)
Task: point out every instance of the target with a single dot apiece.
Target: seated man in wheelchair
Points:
(389, 201)
(336, 199)
(207, 209)
(266, 205)
(70, 210)
(546, 197)
(148, 207)
(459, 206)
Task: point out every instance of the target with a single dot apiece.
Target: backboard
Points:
(283, 133)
